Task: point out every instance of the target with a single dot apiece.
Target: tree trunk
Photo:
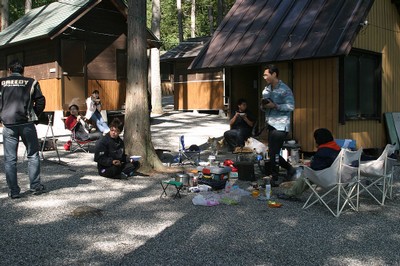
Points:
(28, 5)
(180, 25)
(193, 19)
(137, 134)
(221, 10)
(211, 19)
(156, 93)
(4, 14)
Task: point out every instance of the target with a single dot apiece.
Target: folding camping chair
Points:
(337, 186)
(78, 145)
(176, 184)
(346, 144)
(188, 155)
(377, 175)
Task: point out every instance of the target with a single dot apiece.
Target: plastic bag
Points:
(203, 201)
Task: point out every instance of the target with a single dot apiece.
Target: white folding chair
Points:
(337, 186)
(377, 176)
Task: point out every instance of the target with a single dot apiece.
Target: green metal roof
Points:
(42, 22)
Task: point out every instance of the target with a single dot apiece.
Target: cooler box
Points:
(214, 176)
(245, 171)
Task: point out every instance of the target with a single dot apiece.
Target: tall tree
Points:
(4, 14)
(156, 92)
(220, 11)
(137, 133)
(28, 5)
(193, 19)
(180, 18)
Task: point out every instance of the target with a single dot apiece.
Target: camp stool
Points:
(176, 184)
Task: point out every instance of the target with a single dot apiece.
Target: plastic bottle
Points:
(268, 190)
(228, 187)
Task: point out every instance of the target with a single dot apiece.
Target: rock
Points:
(86, 211)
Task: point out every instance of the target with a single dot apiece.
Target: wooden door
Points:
(73, 69)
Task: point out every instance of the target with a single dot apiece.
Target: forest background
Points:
(208, 14)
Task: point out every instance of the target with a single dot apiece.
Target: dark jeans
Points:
(114, 171)
(236, 137)
(275, 143)
(11, 135)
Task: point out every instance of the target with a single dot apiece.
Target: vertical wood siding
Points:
(199, 95)
(112, 93)
(51, 89)
(382, 35)
(315, 88)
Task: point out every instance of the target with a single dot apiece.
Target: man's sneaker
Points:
(38, 190)
(14, 196)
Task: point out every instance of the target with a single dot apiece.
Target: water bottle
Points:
(268, 190)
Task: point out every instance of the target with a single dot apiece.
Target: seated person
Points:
(325, 155)
(93, 104)
(76, 123)
(241, 124)
(112, 162)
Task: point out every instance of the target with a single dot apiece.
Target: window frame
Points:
(378, 78)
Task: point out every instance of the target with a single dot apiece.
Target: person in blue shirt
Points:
(278, 104)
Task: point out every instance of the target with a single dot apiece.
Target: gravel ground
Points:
(138, 228)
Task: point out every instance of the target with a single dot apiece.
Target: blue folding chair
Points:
(346, 144)
(189, 155)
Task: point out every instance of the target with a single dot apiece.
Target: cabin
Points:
(339, 57)
(193, 90)
(72, 48)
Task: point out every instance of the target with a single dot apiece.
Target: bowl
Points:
(135, 157)
(291, 142)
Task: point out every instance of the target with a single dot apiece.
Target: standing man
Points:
(278, 104)
(21, 102)
(93, 104)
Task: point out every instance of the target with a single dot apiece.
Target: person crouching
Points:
(112, 162)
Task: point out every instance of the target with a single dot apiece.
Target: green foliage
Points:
(169, 17)
(17, 7)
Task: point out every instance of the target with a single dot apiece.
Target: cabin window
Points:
(360, 86)
(121, 64)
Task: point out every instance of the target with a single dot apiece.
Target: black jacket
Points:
(21, 100)
(109, 149)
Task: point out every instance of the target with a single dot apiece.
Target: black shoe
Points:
(38, 190)
(274, 183)
(14, 196)
(124, 176)
(291, 173)
(287, 197)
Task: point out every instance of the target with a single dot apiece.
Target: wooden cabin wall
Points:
(112, 93)
(381, 36)
(316, 93)
(200, 95)
(197, 90)
(51, 89)
(40, 60)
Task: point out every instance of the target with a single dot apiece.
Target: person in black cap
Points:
(325, 155)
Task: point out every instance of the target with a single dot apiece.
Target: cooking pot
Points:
(183, 177)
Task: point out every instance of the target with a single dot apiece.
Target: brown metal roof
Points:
(261, 31)
(188, 49)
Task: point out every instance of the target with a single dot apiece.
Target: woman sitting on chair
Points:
(76, 124)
